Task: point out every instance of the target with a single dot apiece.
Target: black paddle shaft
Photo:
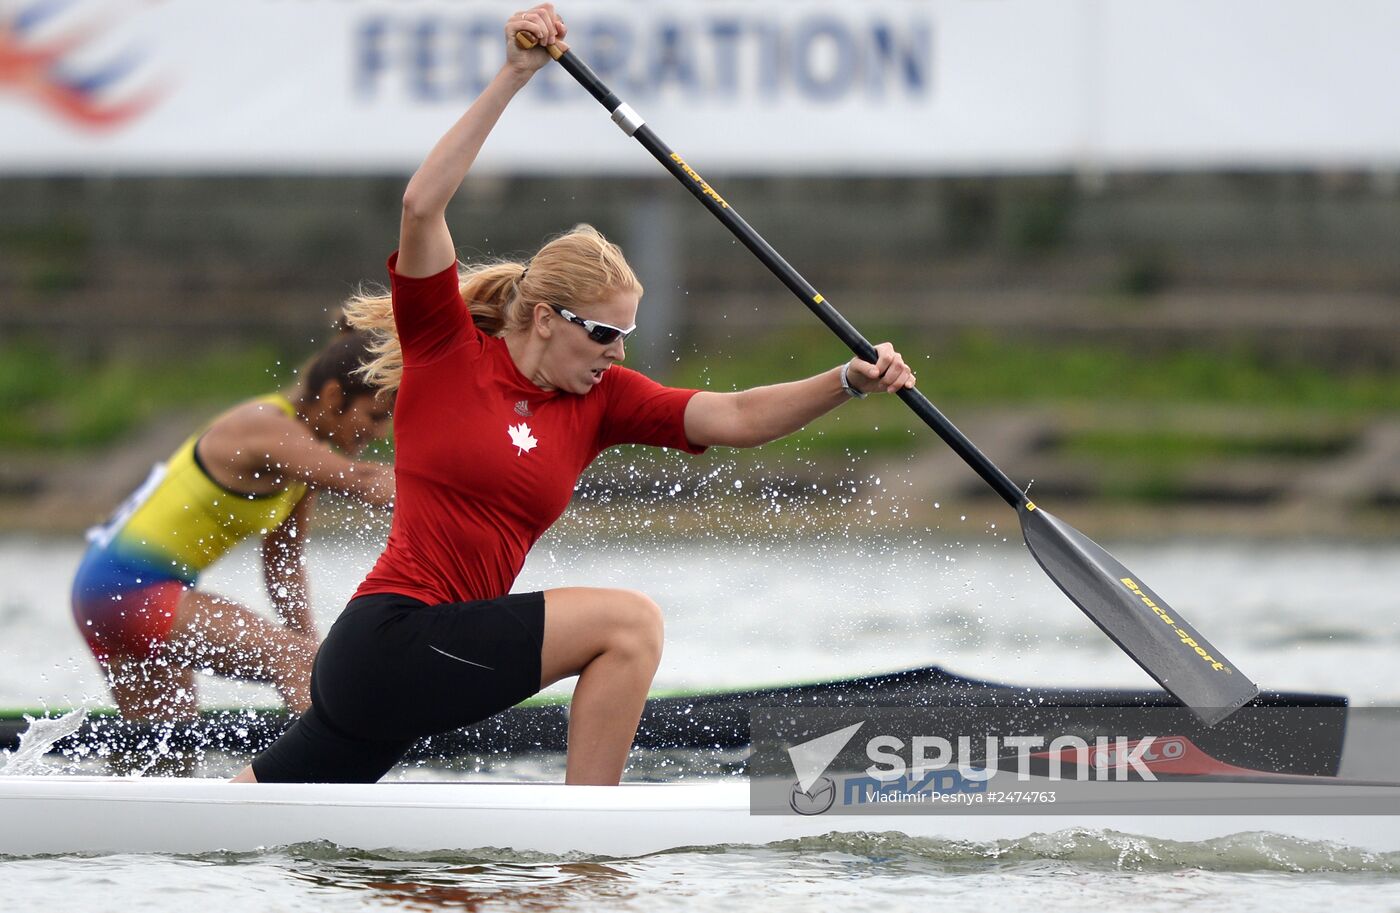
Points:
(627, 119)
(1137, 619)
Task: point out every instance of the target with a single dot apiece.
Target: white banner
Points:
(898, 86)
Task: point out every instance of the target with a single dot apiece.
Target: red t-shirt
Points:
(485, 461)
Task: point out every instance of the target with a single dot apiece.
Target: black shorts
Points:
(393, 670)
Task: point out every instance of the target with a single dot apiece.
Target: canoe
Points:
(704, 720)
(59, 814)
(1323, 755)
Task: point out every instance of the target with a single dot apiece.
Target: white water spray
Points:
(35, 742)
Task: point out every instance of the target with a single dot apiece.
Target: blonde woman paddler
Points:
(510, 383)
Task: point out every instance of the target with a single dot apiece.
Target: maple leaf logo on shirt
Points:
(521, 437)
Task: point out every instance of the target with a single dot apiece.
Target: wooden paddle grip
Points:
(526, 41)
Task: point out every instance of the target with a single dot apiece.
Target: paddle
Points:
(1127, 610)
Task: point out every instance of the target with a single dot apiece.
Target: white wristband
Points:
(846, 383)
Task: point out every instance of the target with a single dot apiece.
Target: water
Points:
(1068, 870)
(754, 609)
(747, 609)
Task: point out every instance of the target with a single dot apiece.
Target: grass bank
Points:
(976, 371)
(52, 400)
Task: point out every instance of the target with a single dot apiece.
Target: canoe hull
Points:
(62, 815)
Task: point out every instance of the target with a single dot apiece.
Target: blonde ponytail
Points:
(572, 270)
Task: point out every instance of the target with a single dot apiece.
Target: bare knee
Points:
(641, 629)
(630, 626)
(583, 624)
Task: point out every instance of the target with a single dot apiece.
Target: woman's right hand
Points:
(545, 26)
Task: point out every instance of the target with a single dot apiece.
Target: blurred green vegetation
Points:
(60, 401)
(1171, 448)
(976, 370)
(51, 400)
(48, 256)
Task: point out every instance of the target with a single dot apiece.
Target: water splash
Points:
(1107, 850)
(36, 740)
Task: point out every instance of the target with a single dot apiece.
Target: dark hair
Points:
(340, 361)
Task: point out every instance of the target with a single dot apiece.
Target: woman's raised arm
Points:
(425, 243)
